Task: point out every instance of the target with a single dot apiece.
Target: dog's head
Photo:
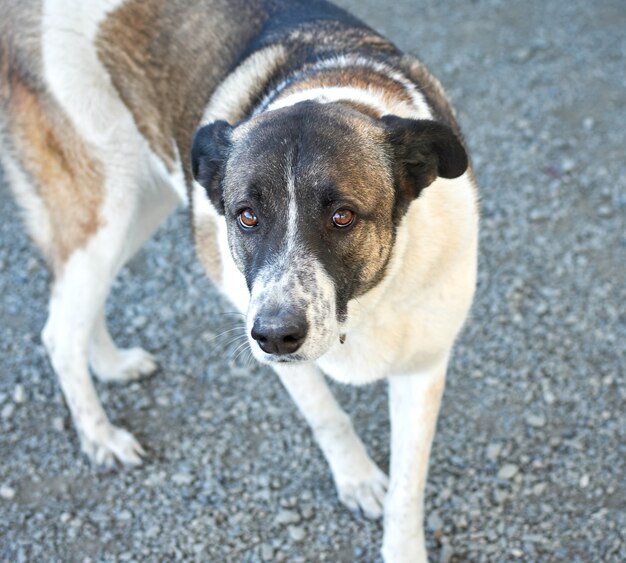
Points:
(312, 195)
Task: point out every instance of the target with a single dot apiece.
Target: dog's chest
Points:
(366, 355)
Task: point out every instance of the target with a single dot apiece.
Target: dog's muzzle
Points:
(280, 332)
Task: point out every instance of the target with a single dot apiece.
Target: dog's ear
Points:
(209, 152)
(422, 151)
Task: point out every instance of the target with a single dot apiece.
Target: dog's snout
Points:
(280, 333)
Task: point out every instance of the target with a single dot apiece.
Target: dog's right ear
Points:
(211, 145)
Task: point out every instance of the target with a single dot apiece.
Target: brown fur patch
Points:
(66, 177)
(363, 78)
(166, 57)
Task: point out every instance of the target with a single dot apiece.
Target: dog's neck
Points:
(371, 87)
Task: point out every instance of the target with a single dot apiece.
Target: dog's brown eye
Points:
(247, 219)
(343, 218)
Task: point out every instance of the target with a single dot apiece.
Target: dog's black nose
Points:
(280, 333)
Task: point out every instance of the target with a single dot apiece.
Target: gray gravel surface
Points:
(529, 461)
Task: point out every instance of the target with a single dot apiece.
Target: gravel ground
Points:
(529, 461)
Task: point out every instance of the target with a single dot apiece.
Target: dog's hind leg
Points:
(360, 483)
(110, 363)
(77, 301)
(78, 296)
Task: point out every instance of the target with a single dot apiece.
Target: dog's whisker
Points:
(224, 332)
(241, 348)
(236, 340)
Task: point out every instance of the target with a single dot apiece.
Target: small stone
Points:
(183, 479)
(267, 552)
(297, 533)
(65, 517)
(539, 488)
(500, 496)
(568, 165)
(523, 54)
(493, 451)
(7, 411)
(517, 552)
(584, 481)
(535, 420)
(536, 215)
(124, 515)
(7, 492)
(604, 211)
(285, 517)
(446, 554)
(588, 123)
(434, 522)
(57, 423)
(508, 471)
(307, 511)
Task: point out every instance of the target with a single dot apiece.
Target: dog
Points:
(329, 188)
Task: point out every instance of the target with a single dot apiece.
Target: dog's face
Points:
(312, 195)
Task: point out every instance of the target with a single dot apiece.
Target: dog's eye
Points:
(343, 218)
(247, 219)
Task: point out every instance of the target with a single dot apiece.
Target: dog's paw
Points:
(363, 490)
(111, 446)
(125, 365)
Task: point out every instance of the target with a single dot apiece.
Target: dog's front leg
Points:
(414, 401)
(360, 483)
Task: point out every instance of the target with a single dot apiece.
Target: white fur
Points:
(328, 95)
(233, 96)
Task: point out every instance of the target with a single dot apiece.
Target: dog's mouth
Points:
(278, 359)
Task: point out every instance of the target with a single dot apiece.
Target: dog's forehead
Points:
(319, 147)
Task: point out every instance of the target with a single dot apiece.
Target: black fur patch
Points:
(209, 152)
(423, 150)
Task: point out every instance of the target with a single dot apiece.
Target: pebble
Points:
(508, 471)
(568, 165)
(307, 511)
(57, 424)
(285, 517)
(124, 515)
(434, 522)
(267, 552)
(446, 554)
(7, 411)
(7, 492)
(584, 481)
(183, 479)
(297, 533)
(493, 451)
(536, 420)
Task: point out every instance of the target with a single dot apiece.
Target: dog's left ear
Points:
(423, 150)
(209, 152)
